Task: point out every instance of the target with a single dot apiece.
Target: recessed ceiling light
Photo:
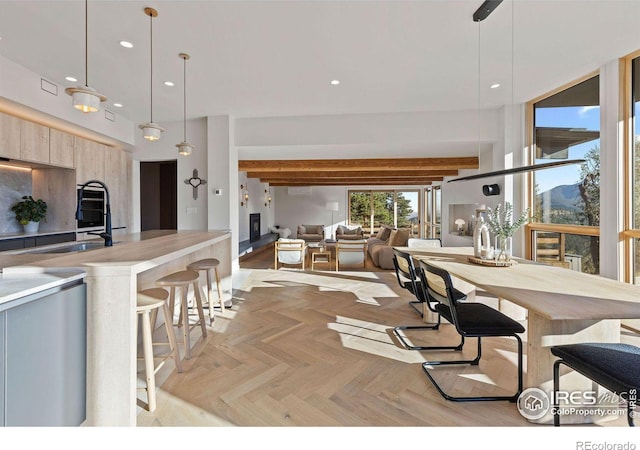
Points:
(118, 105)
(169, 83)
(335, 82)
(72, 79)
(495, 86)
(126, 44)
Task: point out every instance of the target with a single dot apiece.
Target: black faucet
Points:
(108, 233)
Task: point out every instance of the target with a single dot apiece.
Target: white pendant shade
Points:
(85, 99)
(184, 148)
(151, 131)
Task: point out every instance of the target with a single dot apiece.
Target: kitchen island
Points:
(113, 276)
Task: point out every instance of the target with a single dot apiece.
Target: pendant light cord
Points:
(151, 71)
(86, 43)
(479, 76)
(184, 87)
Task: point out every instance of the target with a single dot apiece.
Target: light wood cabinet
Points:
(116, 178)
(34, 142)
(61, 149)
(9, 136)
(90, 157)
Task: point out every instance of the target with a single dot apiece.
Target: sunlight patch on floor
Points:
(361, 284)
(371, 338)
(478, 377)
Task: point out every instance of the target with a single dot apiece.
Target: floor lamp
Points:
(333, 207)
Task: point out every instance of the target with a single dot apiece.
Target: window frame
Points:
(532, 227)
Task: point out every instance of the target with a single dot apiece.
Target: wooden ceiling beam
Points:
(337, 165)
(352, 182)
(353, 174)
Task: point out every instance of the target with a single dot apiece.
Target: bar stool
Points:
(148, 303)
(208, 265)
(182, 280)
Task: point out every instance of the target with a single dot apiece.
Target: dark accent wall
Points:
(158, 195)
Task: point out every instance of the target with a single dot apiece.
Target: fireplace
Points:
(254, 227)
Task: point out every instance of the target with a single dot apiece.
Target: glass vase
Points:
(502, 250)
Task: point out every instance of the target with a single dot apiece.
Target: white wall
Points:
(294, 210)
(256, 204)
(20, 85)
(368, 135)
(192, 214)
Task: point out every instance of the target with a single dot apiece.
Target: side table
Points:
(321, 257)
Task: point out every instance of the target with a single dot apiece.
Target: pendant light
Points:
(482, 13)
(150, 130)
(84, 98)
(184, 148)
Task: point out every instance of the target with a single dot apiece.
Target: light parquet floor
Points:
(302, 348)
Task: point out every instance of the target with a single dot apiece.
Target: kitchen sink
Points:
(76, 247)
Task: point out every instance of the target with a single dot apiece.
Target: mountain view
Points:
(565, 197)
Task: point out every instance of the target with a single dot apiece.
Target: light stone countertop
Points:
(16, 286)
(135, 252)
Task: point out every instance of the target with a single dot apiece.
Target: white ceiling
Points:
(276, 58)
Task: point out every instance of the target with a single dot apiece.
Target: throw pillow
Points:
(341, 229)
(392, 236)
(400, 239)
(384, 233)
(302, 229)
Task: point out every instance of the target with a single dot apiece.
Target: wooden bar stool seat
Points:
(148, 303)
(182, 280)
(210, 265)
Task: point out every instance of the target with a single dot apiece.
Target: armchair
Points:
(344, 233)
(290, 251)
(310, 233)
(351, 253)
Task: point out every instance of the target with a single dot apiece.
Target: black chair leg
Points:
(475, 361)
(435, 326)
(556, 388)
(418, 310)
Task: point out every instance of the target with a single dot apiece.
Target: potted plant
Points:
(502, 225)
(29, 212)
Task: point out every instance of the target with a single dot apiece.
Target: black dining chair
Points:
(409, 278)
(614, 366)
(470, 320)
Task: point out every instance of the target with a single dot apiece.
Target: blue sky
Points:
(587, 117)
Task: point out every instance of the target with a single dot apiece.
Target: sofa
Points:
(344, 233)
(310, 233)
(380, 246)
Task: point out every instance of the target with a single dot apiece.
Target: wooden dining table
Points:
(562, 306)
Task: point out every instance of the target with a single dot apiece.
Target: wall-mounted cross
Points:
(195, 181)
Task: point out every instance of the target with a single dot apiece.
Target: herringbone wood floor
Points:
(315, 349)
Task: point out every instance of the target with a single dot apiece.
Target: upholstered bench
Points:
(613, 366)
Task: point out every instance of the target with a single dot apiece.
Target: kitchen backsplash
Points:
(14, 183)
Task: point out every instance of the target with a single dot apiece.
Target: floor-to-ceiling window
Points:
(632, 232)
(432, 207)
(566, 199)
(370, 209)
